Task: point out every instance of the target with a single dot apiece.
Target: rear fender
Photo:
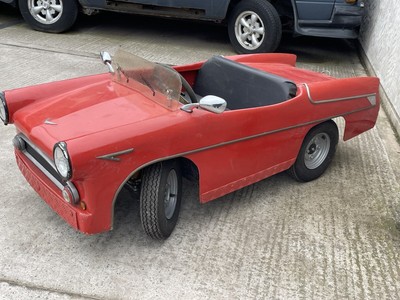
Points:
(355, 99)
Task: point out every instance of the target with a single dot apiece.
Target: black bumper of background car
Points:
(345, 23)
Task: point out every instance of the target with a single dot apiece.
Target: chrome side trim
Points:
(339, 99)
(41, 168)
(114, 156)
(42, 154)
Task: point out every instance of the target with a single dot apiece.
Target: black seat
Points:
(241, 86)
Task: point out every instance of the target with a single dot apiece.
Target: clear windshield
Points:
(157, 82)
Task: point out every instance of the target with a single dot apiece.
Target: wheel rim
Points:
(317, 150)
(249, 30)
(46, 11)
(171, 194)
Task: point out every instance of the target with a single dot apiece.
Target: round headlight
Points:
(3, 109)
(61, 160)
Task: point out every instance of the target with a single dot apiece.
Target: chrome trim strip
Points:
(38, 165)
(41, 168)
(113, 156)
(42, 154)
(4, 104)
(338, 99)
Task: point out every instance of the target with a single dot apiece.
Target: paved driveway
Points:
(336, 237)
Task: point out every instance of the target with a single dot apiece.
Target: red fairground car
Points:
(227, 122)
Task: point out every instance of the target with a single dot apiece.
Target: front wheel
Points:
(316, 152)
(254, 26)
(160, 198)
(49, 15)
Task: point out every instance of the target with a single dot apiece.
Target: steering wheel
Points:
(189, 90)
(185, 84)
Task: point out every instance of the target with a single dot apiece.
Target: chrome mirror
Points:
(213, 103)
(106, 57)
(210, 103)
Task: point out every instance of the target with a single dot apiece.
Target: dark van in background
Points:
(253, 25)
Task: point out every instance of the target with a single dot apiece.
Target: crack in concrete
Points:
(32, 287)
(54, 50)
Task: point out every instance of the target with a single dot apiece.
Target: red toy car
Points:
(227, 122)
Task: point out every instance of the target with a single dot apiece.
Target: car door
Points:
(314, 9)
(240, 147)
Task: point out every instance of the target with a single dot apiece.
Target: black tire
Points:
(62, 19)
(316, 152)
(267, 18)
(159, 219)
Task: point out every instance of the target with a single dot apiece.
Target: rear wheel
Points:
(160, 198)
(49, 15)
(254, 26)
(316, 153)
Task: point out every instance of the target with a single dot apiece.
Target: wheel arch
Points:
(283, 7)
(231, 6)
(336, 121)
(189, 170)
(316, 151)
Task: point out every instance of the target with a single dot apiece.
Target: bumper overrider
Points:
(42, 174)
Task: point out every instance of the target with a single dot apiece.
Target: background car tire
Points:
(316, 152)
(257, 14)
(49, 15)
(160, 198)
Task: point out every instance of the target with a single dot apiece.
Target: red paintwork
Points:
(96, 116)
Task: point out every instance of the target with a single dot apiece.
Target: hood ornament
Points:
(49, 122)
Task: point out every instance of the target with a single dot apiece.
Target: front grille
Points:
(40, 159)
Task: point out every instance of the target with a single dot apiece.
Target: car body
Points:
(253, 25)
(236, 121)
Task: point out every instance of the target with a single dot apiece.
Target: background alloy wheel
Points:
(49, 15)
(254, 26)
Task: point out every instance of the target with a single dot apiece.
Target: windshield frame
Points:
(159, 83)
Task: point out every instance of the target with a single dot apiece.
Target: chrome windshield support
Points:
(106, 57)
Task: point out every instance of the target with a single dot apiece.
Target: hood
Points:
(87, 110)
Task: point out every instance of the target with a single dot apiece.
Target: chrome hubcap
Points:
(317, 150)
(46, 11)
(249, 30)
(171, 194)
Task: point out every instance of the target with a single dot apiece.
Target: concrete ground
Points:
(336, 237)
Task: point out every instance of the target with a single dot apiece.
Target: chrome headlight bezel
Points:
(62, 160)
(4, 116)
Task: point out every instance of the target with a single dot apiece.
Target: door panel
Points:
(196, 4)
(314, 9)
(245, 146)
